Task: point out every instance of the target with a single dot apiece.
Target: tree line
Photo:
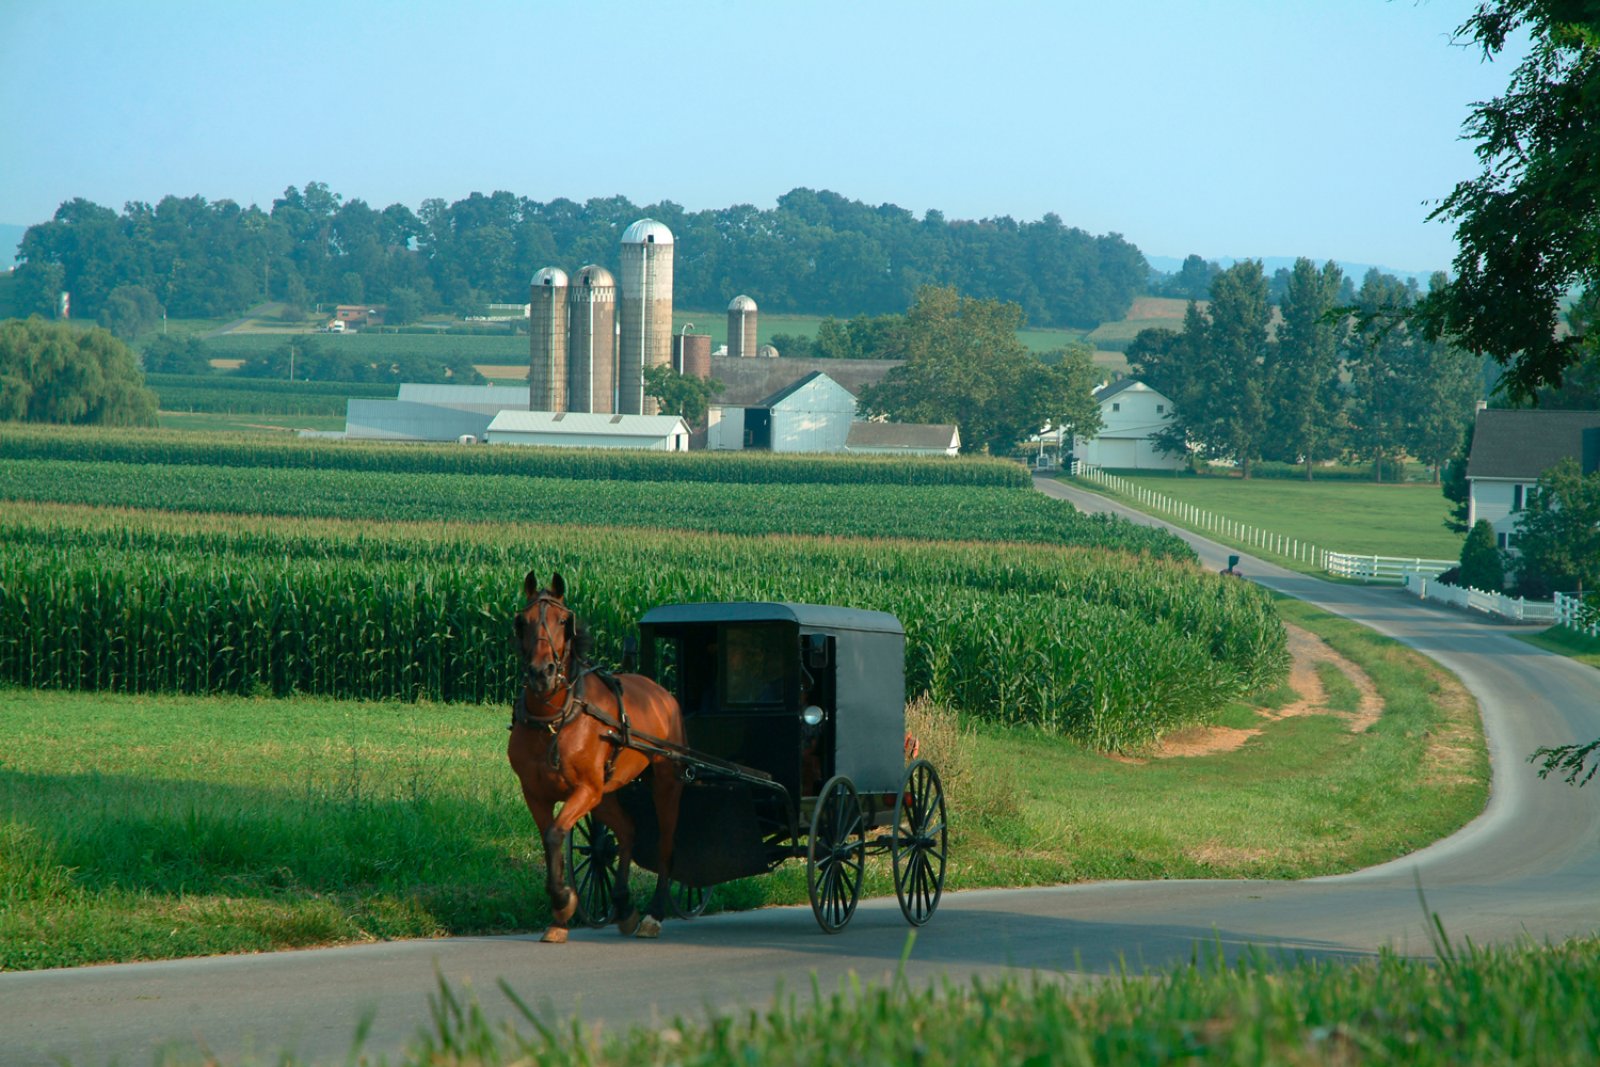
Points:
(1332, 378)
(815, 252)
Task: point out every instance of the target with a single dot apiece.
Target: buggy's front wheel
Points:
(592, 855)
(688, 901)
(836, 854)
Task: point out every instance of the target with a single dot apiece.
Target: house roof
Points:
(1524, 444)
(747, 383)
(501, 396)
(901, 435)
(1122, 385)
(587, 422)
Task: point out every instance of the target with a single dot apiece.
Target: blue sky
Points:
(1230, 128)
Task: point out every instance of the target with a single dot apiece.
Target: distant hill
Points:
(1353, 271)
(10, 237)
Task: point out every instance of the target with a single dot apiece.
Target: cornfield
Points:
(1110, 648)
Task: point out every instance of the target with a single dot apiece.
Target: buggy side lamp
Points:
(811, 715)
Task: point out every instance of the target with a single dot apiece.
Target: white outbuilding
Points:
(424, 412)
(903, 439)
(812, 414)
(1131, 414)
(582, 429)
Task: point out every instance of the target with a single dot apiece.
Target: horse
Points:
(569, 729)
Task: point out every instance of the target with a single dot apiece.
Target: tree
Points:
(1455, 486)
(1482, 566)
(129, 310)
(1382, 374)
(52, 372)
(964, 364)
(1528, 226)
(1558, 533)
(681, 394)
(1216, 372)
(171, 354)
(1306, 403)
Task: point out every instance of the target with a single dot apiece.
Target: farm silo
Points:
(691, 354)
(646, 335)
(592, 306)
(547, 331)
(741, 327)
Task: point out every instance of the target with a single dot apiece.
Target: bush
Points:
(1482, 566)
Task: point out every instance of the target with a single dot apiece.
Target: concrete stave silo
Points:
(691, 354)
(741, 327)
(645, 313)
(592, 312)
(547, 331)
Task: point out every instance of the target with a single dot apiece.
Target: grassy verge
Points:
(1565, 642)
(1480, 1006)
(1359, 518)
(235, 824)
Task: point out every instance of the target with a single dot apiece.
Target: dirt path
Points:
(1307, 652)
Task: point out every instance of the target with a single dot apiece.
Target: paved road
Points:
(1529, 866)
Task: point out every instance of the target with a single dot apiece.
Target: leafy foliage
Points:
(964, 365)
(1482, 566)
(815, 251)
(1528, 226)
(681, 394)
(1558, 533)
(53, 372)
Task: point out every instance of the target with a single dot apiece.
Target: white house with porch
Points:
(1131, 414)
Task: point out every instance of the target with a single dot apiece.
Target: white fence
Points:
(1573, 613)
(1366, 568)
(1514, 608)
(1383, 568)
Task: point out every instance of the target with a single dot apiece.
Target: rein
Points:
(574, 704)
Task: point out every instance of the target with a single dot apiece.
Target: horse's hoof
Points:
(649, 926)
(565, 913)
(555, 935)
(628, 925)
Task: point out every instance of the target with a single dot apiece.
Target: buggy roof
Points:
(808, 616)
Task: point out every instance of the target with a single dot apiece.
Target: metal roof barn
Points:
(574, 429)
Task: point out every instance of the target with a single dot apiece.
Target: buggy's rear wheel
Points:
(688, 901)
(836, 854)
(592, 870)
(920, 843)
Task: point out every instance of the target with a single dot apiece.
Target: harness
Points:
(575, 704)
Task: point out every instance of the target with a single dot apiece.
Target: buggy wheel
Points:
(688, 901)
(592, 870)
(836, 854)
(920, 842)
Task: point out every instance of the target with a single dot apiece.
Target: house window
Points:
(1518, 502)
(1118, 407)
(1160, 408)
(1506, 540)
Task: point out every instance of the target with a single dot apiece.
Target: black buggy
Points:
(795, 718)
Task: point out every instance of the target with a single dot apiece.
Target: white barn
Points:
(582, 429)
(903, 439)
(431, 412)
(812, 414)
(1511, 449)
(1131, 414)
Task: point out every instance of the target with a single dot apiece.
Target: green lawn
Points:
(1565, 642)
(1362, 518)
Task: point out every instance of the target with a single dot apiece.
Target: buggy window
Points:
(754, 665)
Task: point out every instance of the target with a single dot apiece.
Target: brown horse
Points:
(567, 728)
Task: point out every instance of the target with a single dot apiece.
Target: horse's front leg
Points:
(563, 901)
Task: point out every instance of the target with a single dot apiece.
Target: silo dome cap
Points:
(767, 352)
(647, 231)
(741, 303)
(595, 276)
(551, 276)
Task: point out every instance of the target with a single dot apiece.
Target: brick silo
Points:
(742, 327)
(691, 354)
(646, 312)
(547, 332)
(592, 310)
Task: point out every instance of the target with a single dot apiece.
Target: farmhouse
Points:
(1511, 449)
(1131, 414)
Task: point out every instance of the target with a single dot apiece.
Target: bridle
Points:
(563, 664)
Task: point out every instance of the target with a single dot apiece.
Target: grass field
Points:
(209, 422)
(1362, 518)
(246, 824)
(1565, 642)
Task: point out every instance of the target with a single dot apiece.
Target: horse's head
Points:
(547, 637)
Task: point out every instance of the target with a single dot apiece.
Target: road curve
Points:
(1528, 866)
